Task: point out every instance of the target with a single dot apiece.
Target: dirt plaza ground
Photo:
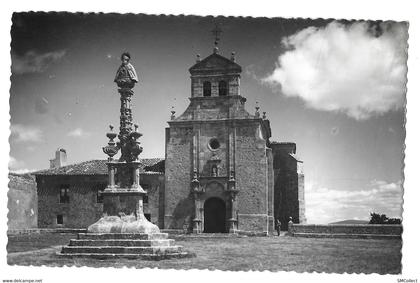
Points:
(272, 253)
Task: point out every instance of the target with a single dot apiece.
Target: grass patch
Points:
(381, 256)
(35, 241)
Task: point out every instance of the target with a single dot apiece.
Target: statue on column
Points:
(123, 198)
(123, 221)
(126, 75)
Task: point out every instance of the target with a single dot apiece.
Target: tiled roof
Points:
(277, 142)
(20, 179)
(152, 173)
(98, 167)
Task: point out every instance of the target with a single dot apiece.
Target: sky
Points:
(336, 88)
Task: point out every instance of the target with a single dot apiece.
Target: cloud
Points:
(324, 205)
(22, 171)
(30, 148)
(78, 133)
(41, 105)
(358, 69)
(250, 71)
(22, 133)
(15, 166)
(14, 163)
(34, 62)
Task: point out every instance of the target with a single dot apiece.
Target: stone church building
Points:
(221, 172)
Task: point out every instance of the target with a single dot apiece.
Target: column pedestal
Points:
(123, 206)
(197, 191)
(196, 228)
(233, 191)
(232, 226)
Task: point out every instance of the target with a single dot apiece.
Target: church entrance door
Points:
(214, 216)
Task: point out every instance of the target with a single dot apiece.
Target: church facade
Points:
(221, 172)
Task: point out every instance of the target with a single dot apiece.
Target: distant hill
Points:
(351, 221)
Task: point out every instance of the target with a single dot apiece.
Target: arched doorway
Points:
(214, 216)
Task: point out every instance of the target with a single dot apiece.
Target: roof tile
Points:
(99, 167)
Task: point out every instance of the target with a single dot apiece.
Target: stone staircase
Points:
(154, 246)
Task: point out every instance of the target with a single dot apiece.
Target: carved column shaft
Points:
(111, 176)
(126, 123)
(139, 209)
(136, 177)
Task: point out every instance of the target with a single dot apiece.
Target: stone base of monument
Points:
(155, 246)
(123, 224)
(124, 237)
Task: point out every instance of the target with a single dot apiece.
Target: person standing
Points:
(278, 225)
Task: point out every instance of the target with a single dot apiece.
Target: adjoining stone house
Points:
(22, 202)
(69, 196)
(221, 172)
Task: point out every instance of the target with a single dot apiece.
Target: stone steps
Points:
(120, 250)
(122, 242)
(155, 246)
(121, 236)
(130, 256)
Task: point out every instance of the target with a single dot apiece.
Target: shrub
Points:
(376, 218)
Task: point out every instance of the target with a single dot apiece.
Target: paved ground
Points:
(238, 253)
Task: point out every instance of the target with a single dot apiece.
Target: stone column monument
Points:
(123, 197)
(123, 230)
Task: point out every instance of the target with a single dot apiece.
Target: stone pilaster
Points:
(197, 192)
(232, 191)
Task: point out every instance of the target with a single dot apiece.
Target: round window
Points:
(214, 144)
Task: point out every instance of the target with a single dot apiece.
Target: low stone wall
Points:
(252, 233)
(44, 230)
(180, 232)
(345, 230)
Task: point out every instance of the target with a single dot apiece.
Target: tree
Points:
(376, 218)
(393, 221)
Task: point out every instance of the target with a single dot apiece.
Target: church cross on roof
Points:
(216, 31)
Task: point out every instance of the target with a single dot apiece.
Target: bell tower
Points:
(215, 75)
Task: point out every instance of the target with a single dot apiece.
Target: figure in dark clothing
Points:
(278, 225)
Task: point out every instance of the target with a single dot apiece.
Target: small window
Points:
(60, 219)
(222, 88)
(206, 89)
(64, 194)
(145, 199)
